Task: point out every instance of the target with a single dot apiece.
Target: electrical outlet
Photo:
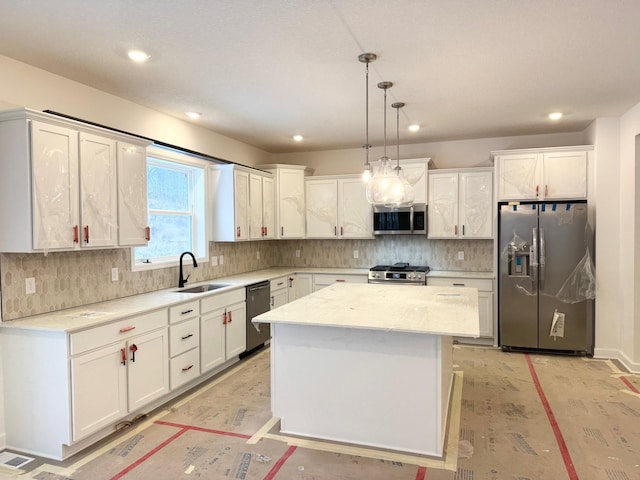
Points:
(214, 261)
(355, 254)
(30, 285)
(258, 255)
(460, 255)
(114, 274)
(221, 260)
(297, 253)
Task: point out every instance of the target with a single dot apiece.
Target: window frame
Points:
(181, 161)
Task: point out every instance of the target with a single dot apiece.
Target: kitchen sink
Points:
(201, 288)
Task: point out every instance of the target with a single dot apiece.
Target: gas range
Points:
(399, 273)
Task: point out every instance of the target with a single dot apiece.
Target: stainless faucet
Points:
(182, 280)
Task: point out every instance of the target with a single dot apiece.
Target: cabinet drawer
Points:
(117, 331)
(183, 311)
(221, 300)
(279, 283)
(325, 279)
(184, 336)
(185, 368)
(482, 284)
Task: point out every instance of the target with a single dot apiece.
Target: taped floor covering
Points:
(521, 417)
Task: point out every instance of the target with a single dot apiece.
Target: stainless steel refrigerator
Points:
(546, 281)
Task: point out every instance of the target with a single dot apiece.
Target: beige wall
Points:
(24, 86)
(451, 154)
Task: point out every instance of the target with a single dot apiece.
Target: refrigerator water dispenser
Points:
(519, 261)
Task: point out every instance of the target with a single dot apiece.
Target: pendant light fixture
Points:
(384, 188)
(408, 195)
(367, 58)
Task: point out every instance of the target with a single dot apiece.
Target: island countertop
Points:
(419, 309)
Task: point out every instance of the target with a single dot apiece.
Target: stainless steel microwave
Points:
(400, 220)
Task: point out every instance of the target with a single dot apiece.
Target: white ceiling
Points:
(263, 70)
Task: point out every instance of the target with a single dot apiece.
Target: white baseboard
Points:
(633, 367)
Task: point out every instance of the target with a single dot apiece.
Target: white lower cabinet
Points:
(485, 297)
(279, 292)
(223, 328)
(300, 284)
(115, 379)
(184, 350)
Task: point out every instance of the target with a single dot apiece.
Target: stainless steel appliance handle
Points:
(542, 258)
(411, 219)
(534, 259)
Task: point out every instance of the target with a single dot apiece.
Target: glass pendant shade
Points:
(384, 188)
(408, 194)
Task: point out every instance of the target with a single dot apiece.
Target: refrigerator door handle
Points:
(534, 259)
(542, 258)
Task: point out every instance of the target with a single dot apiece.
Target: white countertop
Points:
(415, 309)
(88, 316)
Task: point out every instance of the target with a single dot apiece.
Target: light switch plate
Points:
(297, 253)
(355, 254)
(114, 274)
(461, 255)
(214, 261)
(30, 285)
(221, 260)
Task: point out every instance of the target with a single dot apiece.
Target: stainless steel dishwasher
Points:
(257, 303)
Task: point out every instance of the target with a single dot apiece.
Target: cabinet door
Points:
(443, 205)
(241, 198)
(133, 219)
(148, 368)
(301, 285)
(475, 204)
(55, 187)
(256, 229)
(268, 208)
(98, 389)
(212, 340)
(291, 205)
(98, 191)
(519, 176)
(416, 175)
(279, 298)
(236, 330)
(322, 208)
(485, 312)
(565, 175)
(355, 215)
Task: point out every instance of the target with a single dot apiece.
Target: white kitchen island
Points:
(369, 364)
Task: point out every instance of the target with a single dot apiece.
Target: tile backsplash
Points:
(70, 279)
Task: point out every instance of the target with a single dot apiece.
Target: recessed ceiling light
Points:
(138, 56)
(555, 115)
(298, 138)
(414, 127)
(193, 115)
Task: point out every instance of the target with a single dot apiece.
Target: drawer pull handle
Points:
(230, 316)
(186, 369)
(186, 311)
(458, 284)
(280, 283)
(187, 336)
(340, 280)
(127, 329)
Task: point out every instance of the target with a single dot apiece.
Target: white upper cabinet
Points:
(460, 203)
(261, 200)
(543, 174)
(64, 175)
(290, 198)
(133, 217)
(415, 171)
(355, 215)
(98, 191)
(337, 207)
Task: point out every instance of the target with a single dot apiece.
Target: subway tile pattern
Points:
(71, 279)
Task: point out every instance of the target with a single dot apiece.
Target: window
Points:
(176, 205)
